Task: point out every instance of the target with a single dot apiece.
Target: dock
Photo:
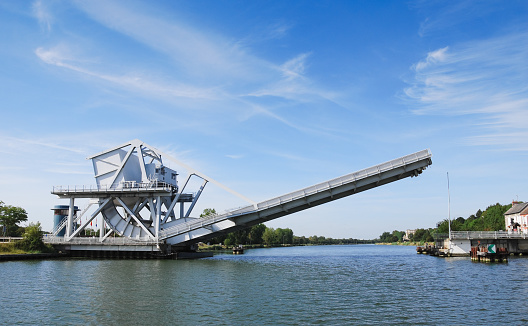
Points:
(477, 244)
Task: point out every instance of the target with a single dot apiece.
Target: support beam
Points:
(69, 227)
(80, 229)
(135, 217)
(196, 198)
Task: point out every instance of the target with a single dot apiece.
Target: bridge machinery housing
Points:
(140, 199)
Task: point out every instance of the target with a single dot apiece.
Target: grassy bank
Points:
(421, 243)
(13, 248)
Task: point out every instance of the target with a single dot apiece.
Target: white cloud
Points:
(486, 79)
(432, 58)
(205, 66)
(44, 17)
(235, 156)
(132, 82)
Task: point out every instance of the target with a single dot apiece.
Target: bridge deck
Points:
(410, 165)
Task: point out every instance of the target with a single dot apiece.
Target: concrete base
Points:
(126, 252)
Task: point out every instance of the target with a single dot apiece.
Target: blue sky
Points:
(268, 97)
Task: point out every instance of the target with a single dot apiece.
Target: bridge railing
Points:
(121, 187)
(483, 235)
(96, 241)
(324, 186)
(352, 177)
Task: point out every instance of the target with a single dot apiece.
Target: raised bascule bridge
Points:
(143, 211)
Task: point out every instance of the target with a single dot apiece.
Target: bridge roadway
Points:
(205, 228)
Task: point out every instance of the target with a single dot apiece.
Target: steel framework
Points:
(137, 197)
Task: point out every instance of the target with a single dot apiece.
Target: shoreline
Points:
(11, 257)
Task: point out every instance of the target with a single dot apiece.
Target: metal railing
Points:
(97, 241)
(9, 239)
(482, 235)
(121, 187)
(349, 178)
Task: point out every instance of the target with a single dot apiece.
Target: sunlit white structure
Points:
(139, 198)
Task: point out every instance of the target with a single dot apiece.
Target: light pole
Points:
(449, 206)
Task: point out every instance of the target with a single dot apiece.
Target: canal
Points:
(314, 285)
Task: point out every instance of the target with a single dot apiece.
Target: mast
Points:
(448, 206)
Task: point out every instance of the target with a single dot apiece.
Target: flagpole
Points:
(448, 206)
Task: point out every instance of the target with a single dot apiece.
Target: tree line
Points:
(10, 217)
(260, 234)
(491, 219)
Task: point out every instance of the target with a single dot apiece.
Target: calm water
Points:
(325, 285)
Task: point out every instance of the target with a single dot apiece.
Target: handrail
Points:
(128, 187)
(97, 241)
(483, 235)
(331, 184)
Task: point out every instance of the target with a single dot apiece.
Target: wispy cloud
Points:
(205, 66)
(57, 56)
(235, 156)
(485, 78)
(44, 17)
(32, 144)
(441, 16)
(198, 54)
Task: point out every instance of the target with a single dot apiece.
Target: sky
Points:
(268, 97)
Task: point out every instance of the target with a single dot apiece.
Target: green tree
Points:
(398, 235)
(207, 212)
(270, 237)
(255, 233)
(284, 236)
(387, 237)
(32, 238)
(10, 216)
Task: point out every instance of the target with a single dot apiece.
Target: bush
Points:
(32, 239)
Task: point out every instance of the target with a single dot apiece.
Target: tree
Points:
(269, 237)
(207, 212)
(32, 238)
(284, 236)
(256, 232)
(10, 216)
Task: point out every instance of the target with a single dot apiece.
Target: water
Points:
(319, 285)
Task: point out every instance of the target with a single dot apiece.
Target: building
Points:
(516, 218)
(408, 235)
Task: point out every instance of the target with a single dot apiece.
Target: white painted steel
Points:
(485, 235)
(370, 177)
(139, 204)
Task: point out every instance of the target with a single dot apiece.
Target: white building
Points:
(516, 218)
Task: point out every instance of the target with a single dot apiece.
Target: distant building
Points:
(516, 218)
(408, 234)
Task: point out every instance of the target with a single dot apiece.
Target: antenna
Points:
(448, 206)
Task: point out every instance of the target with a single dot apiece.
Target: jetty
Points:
(480, 245)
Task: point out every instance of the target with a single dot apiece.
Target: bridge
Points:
(139, 199)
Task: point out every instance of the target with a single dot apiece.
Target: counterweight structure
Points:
(139, 198)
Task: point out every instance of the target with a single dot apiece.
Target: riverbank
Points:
(10, 257)
(415, 244)
(11, 249)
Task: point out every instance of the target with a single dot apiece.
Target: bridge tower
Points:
(140, 199)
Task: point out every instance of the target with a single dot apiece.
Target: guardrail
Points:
(352, 177)
(137, 187)
(96, 241)
(483, 235)
(349, 178)
(9, 239)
